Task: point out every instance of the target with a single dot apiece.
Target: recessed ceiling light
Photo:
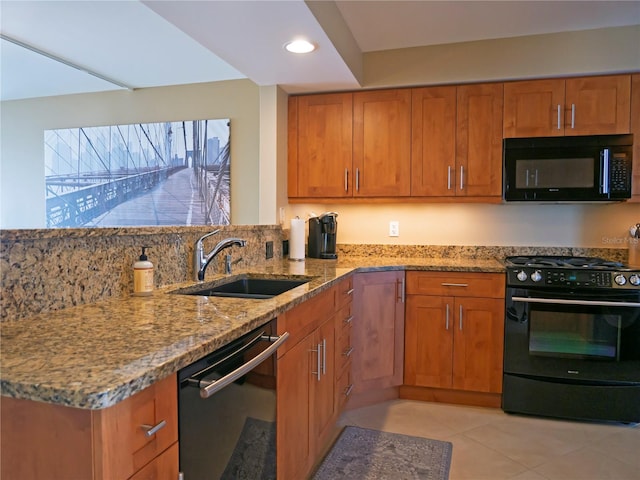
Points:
(299, 46)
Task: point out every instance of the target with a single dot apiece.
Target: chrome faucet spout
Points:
(201, 261)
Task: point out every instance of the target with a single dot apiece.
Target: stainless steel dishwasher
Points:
(227, 409)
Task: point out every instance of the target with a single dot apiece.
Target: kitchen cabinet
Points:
(575, 106)
(478, 171)
(454, 334)
(377, 335)
(41, 440)
(320, 146)
(344, 349)
(457, 141)
(635, 129)
(350, 145)
(306, 400)
(382, 143)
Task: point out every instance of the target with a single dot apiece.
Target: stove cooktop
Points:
(570, 272)
(564, 262)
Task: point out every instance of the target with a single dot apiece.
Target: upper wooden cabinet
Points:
(382, 143)
(320, 145)
(433, 141)
(350, 145)
(576, 106)
(479, 141)
(457, 141)
(635, 129)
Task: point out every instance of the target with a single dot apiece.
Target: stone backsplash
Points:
(50, 269)
(471, 251)
(44, 270)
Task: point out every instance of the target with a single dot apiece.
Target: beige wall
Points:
(24, 121)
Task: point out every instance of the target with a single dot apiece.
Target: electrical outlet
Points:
(394, 229)
(269, 250)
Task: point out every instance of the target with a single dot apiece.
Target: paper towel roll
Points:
(296, 239)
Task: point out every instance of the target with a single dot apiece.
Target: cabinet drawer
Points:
(163, 467)
(344, 292)
(344, 387)
(344, 320)
(458, 284)
(303, 319)
(126, 446)
(344, 350)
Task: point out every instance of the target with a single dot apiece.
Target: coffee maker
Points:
(322, 236)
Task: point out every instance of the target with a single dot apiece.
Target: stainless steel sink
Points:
(248, 287)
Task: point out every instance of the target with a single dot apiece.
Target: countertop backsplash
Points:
(51, 269)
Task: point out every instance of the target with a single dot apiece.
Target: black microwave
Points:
(568, 169)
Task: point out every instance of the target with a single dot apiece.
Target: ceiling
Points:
(149, 43)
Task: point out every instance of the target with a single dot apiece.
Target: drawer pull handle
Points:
(349, 292)
(348, 320)
(347, 353)
(150, 431)
(454, 284)
(347, 391)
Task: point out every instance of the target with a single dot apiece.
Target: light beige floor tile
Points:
(587, 464)
(533, 442)
(623, 445)
(528, 475)
(473, 461)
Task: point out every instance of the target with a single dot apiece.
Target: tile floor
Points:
(490, 444)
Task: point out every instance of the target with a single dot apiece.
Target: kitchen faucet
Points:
(201, 261)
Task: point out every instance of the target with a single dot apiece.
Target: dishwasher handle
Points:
(214, 386)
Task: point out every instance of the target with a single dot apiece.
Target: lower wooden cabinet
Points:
(454, 332)
(41, 440)
(307, 403)
(377, 334)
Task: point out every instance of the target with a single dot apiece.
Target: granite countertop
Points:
(93, 356)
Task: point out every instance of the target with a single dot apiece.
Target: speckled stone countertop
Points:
(93, 356)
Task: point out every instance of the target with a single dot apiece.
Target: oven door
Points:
(592, 337)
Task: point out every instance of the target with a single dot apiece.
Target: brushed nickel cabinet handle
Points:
(347, 353)
(446, 324)
(150, 430)
(449, 177)
(318, 361)
(349, 292)
(460, 317)
(444, 284)
(461, 177)
(348, 320)
(573, 115)
(347, 391)
(346, 179)
(324, 356)
(357, 179)
(559, 117)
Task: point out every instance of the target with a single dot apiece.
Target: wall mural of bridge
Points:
(167, 173)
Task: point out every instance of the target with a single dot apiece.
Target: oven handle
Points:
(215, 386)
(560, 301)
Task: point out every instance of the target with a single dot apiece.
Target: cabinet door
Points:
(293, 443)
(378, 331)
(382, 143)
(635, 128)
(534, 108)
(598, 105)
(322, 400)
(433, 141)
(479, 140)
(478, 344)
(428, 348)
(320, 162)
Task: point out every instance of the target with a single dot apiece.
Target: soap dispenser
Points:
(143, 275)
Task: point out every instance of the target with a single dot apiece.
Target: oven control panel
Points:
(573, 278)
